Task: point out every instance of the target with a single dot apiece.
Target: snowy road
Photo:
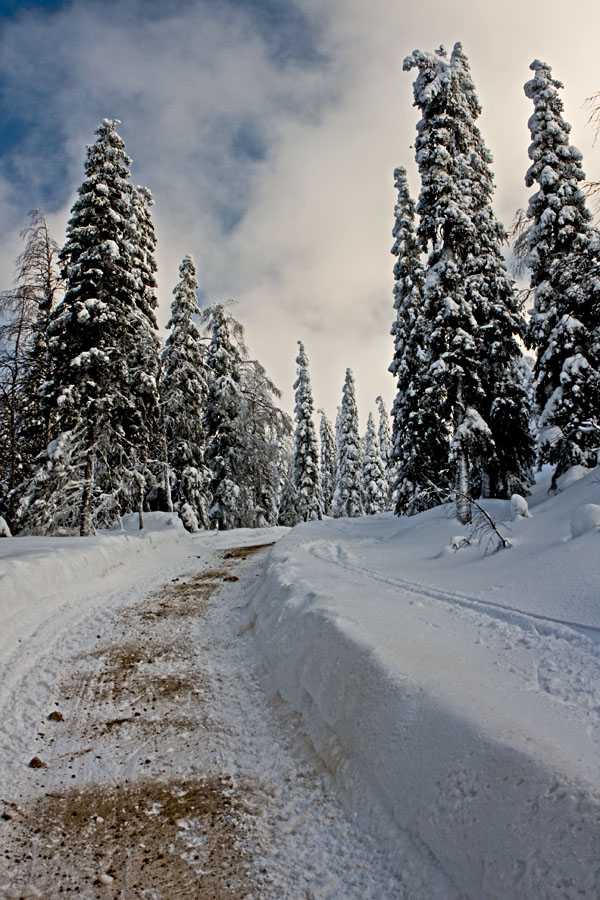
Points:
(166, 770)
(214, 705)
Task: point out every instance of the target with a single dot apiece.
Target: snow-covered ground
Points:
(455, 695)
(452, 696)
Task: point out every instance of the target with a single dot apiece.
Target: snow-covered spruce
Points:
(266, 430)
(328, 462)
(99, 346)
(224, 454)
(564, 259)
(375, 483)
(384, 433)
(303, 498)
(419, 444)
(506, 466)
(348, 495)
(183, 390)
(467, 294)
(246, 434)
(144, 355)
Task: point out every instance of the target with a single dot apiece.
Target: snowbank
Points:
(455, 697)
(47, 571)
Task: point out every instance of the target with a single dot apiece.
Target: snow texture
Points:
(454, 697)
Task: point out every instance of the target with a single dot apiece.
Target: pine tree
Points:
(146, 432)
(385, 449)
(266, 433)
(384, 432)
(24, 313)
(450, 374)
(347, 499)
(93, 456)
(224, 453)
(467, 295)
(505, 467)
(420, 446)
(183, 391)
(376, 488)
(328, 462)
(564, 261)
(305, 474)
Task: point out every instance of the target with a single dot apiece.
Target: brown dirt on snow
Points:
(150, 836)
(132, 840)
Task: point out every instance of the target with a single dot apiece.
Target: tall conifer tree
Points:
(467, 295)
(347, 499)
(564, 259)
(420, 444)
(183, 390)
(90, 474)
(328, 462)
(306, 476)
(375, 484)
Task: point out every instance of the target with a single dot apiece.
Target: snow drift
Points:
(454, 696)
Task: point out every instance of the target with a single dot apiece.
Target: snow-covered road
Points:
(166, 769)
(214, 705)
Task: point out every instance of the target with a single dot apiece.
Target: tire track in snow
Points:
(552, 670)
(575, 632)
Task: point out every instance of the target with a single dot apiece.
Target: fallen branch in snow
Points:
(482, 525)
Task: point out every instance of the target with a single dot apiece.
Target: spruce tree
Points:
(266, 431)
(224, 453)
(420, 443)
(563, 256)
(305, 474)
(467, 295)
(375, 484)
(347, 499)
(183, 390)
(144, 353)
(93, 456)
(328, 462)
(505, 467)
(24, 314)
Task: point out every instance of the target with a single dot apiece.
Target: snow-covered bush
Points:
(585, 518)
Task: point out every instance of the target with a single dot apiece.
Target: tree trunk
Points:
(463, 493)
(463, 502)
(166, 479)
(85, 516)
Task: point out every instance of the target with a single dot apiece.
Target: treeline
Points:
(469, 417)
(97, 419)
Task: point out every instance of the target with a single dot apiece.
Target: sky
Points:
(268, 132)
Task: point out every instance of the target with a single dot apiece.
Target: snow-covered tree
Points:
(328, 462)
(419, 451)
(384, 432)
(467, 295)
(224, 453)
(144, 353)
(183, 390)
(347, 498)
(24, 314)
(564, 260)
(266, 430)
(246, 434)
(303, 499)
(91, 336)
(445, 228)
(505, 467)
(375, 483)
